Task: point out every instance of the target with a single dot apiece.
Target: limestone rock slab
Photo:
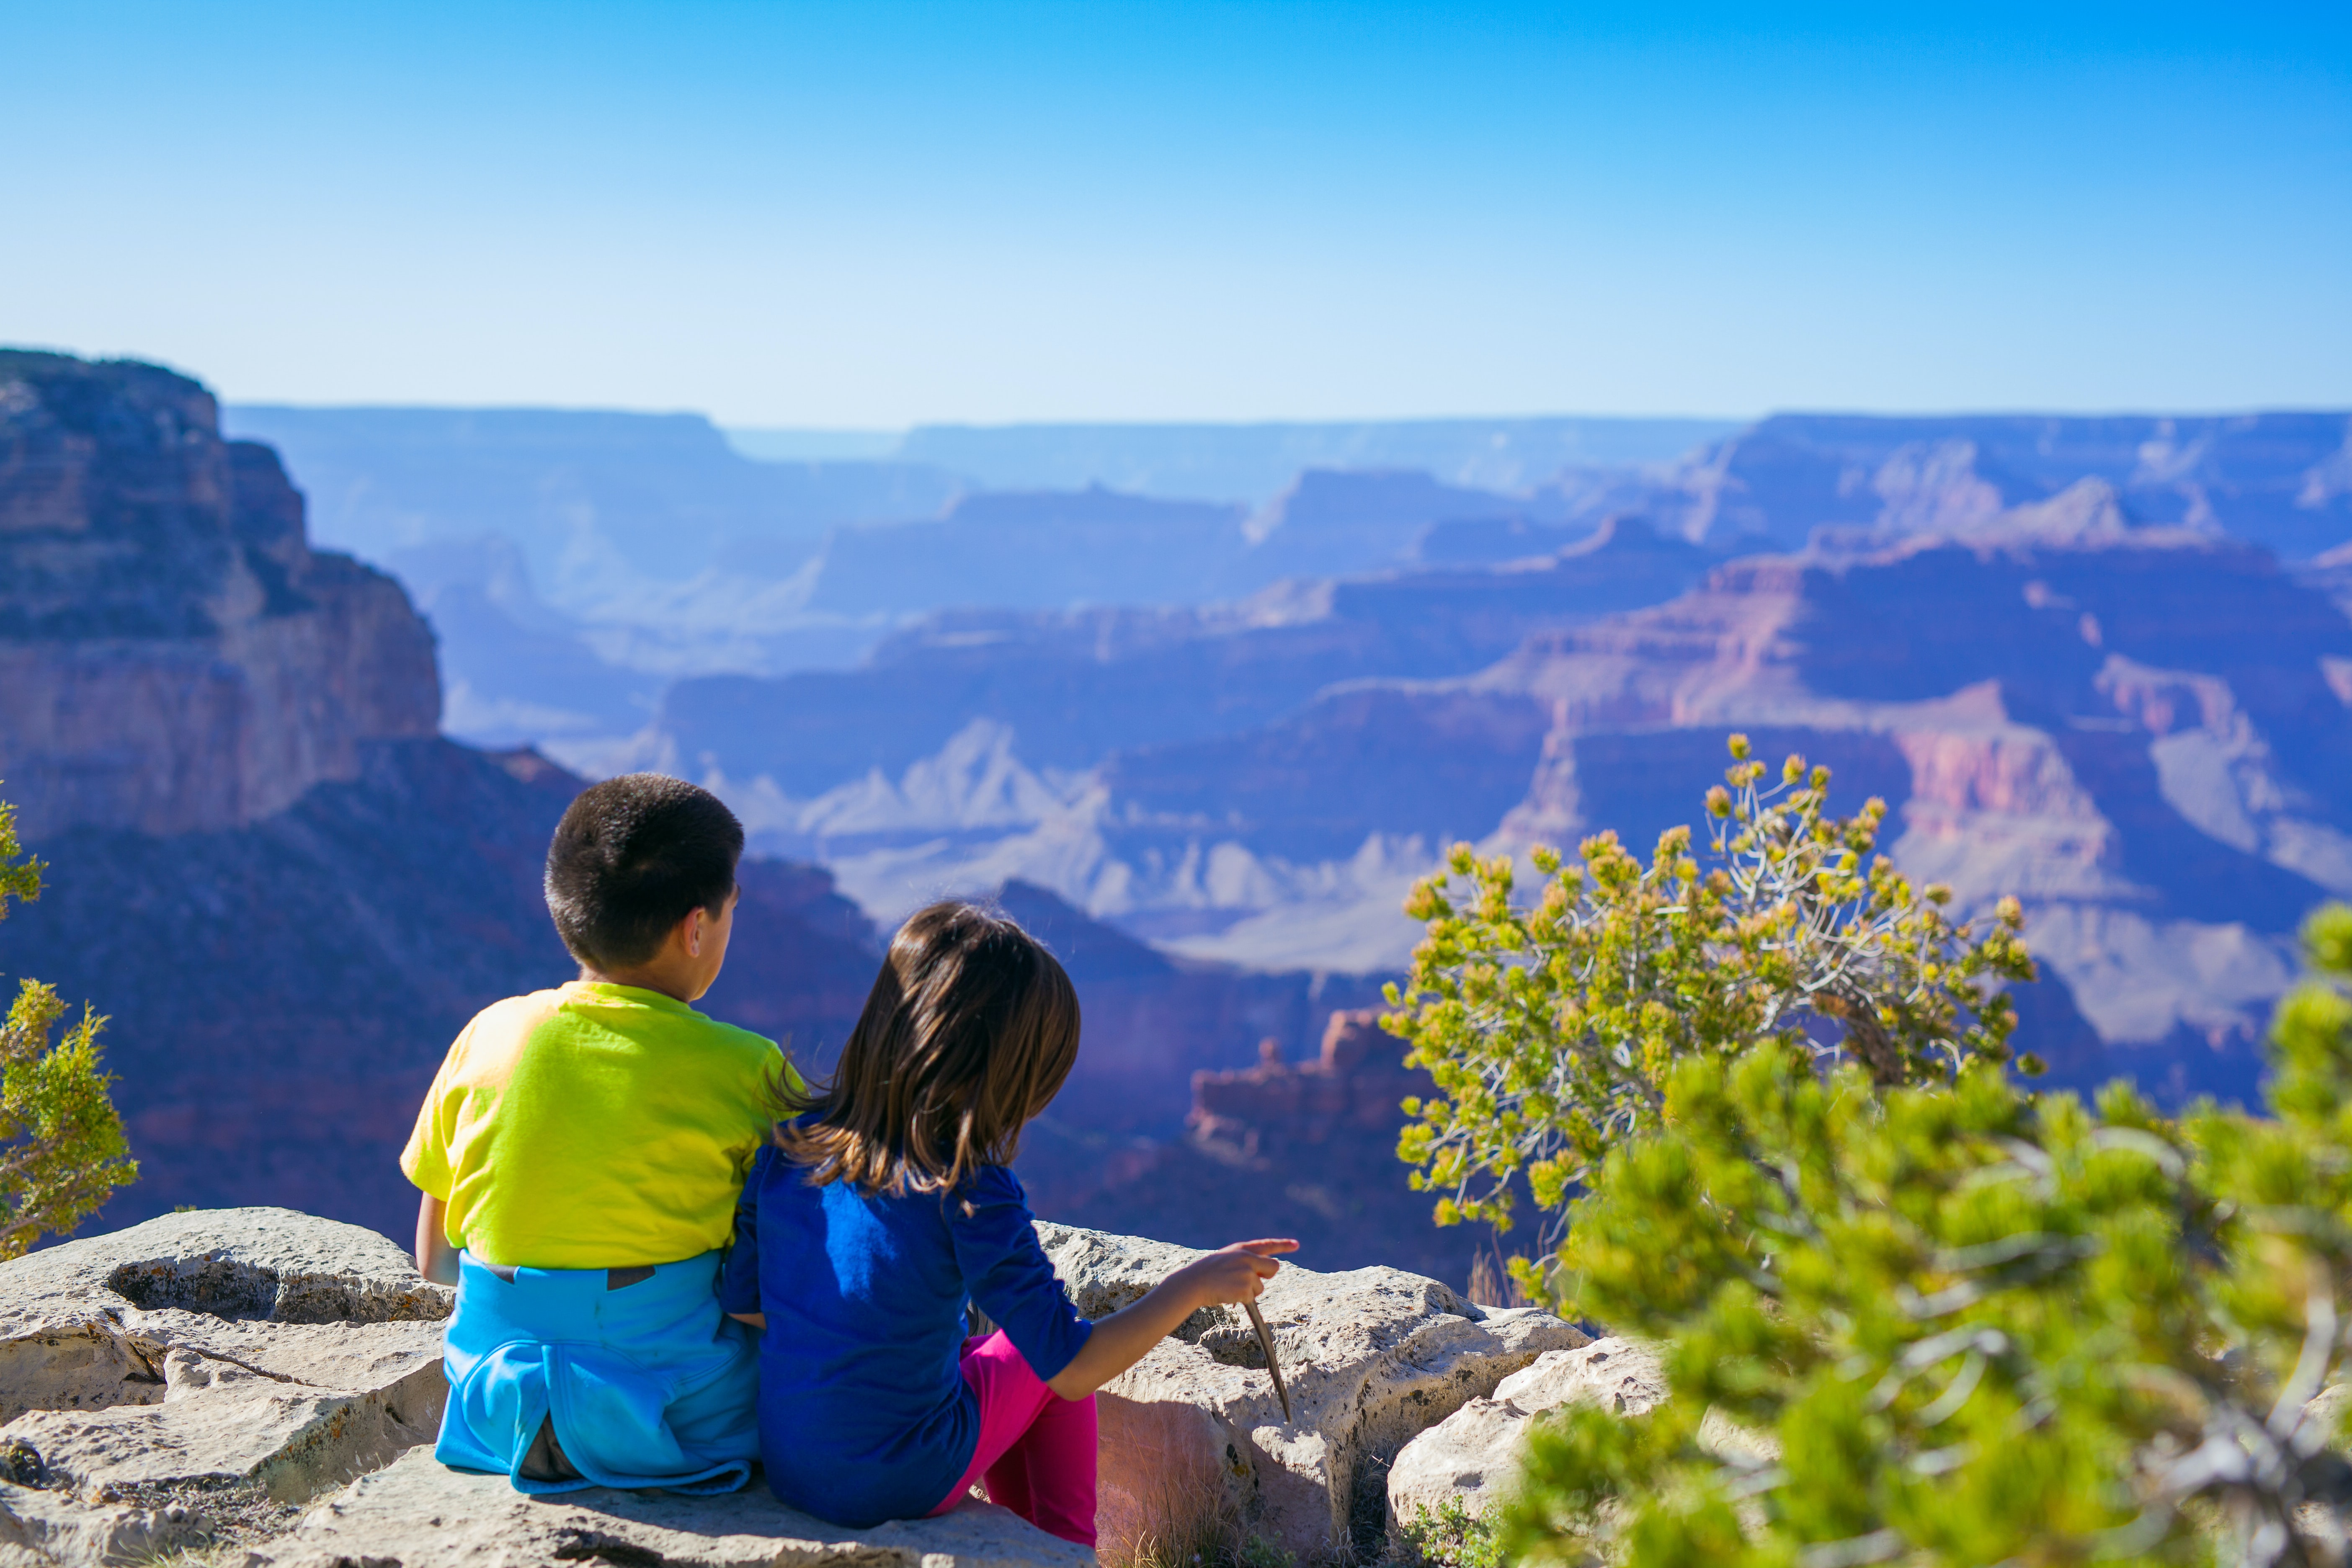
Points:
(422, 1515)
(1621, 1375)
(1193, 1437)
(1474, 1454)
(1471, 1455)
(269, 1264)
(45, 1530)
(222, 1422)
(258, 1349)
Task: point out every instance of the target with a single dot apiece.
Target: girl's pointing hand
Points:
(1236, 1273)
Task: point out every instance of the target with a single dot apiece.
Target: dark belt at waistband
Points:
(614, 1279)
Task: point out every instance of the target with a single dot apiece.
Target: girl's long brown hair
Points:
(970, 1030)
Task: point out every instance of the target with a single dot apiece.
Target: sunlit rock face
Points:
(173, 654)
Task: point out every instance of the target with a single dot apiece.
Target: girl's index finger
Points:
(1267, 1246)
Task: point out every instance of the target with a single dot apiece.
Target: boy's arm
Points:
(739, 1272)
(435, 1258)
(426, 1162)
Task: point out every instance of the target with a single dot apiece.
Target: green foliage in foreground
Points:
(1976, 1327)
(1452, 1537)
(1553, 1032)
(62, 1150)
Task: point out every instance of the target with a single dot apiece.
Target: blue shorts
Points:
(649, 1383)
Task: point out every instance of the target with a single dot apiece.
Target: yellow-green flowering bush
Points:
(1553, 1031)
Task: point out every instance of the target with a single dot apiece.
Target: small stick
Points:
(1266, 1341)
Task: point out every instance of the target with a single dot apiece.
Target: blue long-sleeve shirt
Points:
(863, 1413)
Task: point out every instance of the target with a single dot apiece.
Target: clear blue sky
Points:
(864, 214)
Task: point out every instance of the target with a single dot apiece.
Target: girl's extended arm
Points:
(435, 1258)
(1236, 1273)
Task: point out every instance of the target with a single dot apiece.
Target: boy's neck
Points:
(645, 977)
(685, 963)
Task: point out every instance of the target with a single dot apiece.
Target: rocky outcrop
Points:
(205, 1364)
(173, 654)
(419, 1514)
(1195, 1440)
(1473, 1456)
(264, 1375)
(1350, 1091)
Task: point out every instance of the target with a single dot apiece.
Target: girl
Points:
(885, 1208)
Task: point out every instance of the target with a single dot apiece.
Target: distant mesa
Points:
(2273, 479)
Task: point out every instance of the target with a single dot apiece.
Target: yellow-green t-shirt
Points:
(593, 1126)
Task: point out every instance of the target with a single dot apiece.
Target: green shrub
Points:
(1974, 1326)
(1553, 1032)
(1451, 1536)
(62, 1150)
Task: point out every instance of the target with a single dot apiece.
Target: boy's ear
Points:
(698, 921)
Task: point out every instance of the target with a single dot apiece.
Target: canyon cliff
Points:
(173, 656)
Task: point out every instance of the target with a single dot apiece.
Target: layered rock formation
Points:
(2137, 736)
(2140, 731)
(1125, 758)
(173, 655)
(570, 559)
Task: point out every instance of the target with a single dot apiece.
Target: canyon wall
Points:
(173, 655)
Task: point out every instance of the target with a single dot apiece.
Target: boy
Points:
(579, 1154)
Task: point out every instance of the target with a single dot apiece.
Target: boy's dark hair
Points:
(970, 1030)
(631, 858)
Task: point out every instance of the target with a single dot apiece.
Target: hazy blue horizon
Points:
(899, 213)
